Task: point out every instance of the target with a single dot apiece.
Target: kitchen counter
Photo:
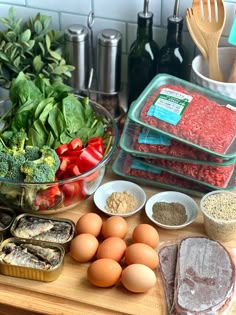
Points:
(72, 294)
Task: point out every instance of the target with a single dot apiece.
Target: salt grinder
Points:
(76, 49)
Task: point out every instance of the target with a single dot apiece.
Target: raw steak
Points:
(168, 257)
(205, 277)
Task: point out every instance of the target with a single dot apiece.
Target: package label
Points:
(169, 105)
(148, 136)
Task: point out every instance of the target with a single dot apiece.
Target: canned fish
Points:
(7, 217)
(53, 230)
(31, 259)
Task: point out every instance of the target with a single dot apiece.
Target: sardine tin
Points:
(32, 273)
(50, 219)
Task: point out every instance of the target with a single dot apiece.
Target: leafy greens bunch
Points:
(50, 114)
(32, 47)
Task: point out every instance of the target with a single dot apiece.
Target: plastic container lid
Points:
(188, 113)
(124, 162)
(144, 142)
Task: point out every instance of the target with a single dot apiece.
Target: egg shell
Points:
(89, 223)
(115, 226)
(83, 247)
(147, 234)
(112, 247)
(140, 253)
(104, 272)
(138, 278)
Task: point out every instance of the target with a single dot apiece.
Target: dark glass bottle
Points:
(142, 58)
(173, 57)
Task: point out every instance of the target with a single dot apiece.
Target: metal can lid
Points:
(109, 37)
(76, 33)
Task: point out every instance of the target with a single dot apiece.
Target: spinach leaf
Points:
(56, 121)
(73, 113)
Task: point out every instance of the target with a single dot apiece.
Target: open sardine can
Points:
(31, 259)
(54, 230)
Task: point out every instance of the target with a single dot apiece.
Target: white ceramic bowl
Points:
(105, 190)
(173, 196)
(200, 75)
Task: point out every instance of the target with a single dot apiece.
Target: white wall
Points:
(120, 15)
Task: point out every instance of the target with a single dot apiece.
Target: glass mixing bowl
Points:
(62, 195)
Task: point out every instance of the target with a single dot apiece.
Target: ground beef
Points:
(214, 175)
(175, 149)
(204, 122)
(163, 178)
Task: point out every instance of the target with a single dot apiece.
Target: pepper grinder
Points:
(76, 49)
(109, 69)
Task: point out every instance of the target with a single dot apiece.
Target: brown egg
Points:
(140, 253)
(112, 247)
(138, 278)
(83, 247)
(89, 223)
(115, 226)
(104, 272)
(147, 234)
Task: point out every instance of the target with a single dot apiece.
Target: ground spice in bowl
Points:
(169, 213)
(121, 202)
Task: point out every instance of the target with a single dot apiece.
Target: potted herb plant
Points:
(31, 47)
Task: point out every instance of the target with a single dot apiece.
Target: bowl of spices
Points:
(219, 212)
(120, 198)
(171, 209)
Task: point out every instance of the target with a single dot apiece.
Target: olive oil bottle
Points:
(143, 56)
(173, 58)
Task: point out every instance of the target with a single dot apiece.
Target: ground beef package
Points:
(131, 168)
(144, 142)
(189, 114)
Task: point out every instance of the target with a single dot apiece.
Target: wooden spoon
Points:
(196, 33)
(210, 18)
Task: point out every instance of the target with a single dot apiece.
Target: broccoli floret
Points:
(32, 153)
(4, 167)
(13, 143)
(42, 169)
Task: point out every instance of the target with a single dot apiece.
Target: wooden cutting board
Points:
(72, 294)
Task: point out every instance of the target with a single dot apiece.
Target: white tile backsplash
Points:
(120, 15)
(75, 6)
(26, 12)
(126, 9)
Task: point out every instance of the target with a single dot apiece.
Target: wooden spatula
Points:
(210, 18)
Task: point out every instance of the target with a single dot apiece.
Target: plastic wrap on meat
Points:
(204, 122)
(205, 277)
(168, 257)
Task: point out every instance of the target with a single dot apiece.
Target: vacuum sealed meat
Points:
(199, 278)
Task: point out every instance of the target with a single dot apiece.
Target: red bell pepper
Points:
(47, 198)
(75, 144)
(89, 158)
(61, 149)
(97, 143)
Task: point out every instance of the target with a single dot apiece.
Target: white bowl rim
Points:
(153, 198)
(205, 213)
(195, 60)
(138, 188)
